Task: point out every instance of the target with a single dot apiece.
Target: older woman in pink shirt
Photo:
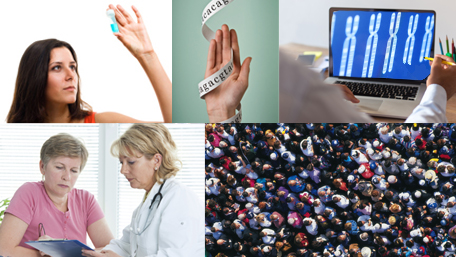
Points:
(64, 211)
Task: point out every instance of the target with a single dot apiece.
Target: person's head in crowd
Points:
(254, 250)
(304, 144)
(392, 142)
(275, 199)
(245, 183)
(366, 252)
(425, 132)
(376, 192)
(419, 142)
(407, 138)
(341, 238)
(440, 143)
(305, 198)
(378, 206)
(306, 222)
(223, 145)
(400, 161)
(419, 171)
(232, 166)
(316, 163)
(328, 212)
(409, 243)
(398, 130)
(279, 245)
(231, 180)
(395, 208)
(233, 149)
(384, 130)
(291, 221)
(364, 236)
(274, 217)
(392, 179)
(235, 226)
(398, 241)
(309, 187)
(439, 198)
(292, 183)
(330, 233)
(410, 152)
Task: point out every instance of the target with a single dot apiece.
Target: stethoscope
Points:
(158, 196)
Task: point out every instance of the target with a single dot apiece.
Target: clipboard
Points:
(60, 248)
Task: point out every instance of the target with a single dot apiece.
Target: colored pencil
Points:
(444, 62)
(448, 47)
(452, 48)
(441, 48)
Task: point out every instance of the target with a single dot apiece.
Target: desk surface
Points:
(298, 49)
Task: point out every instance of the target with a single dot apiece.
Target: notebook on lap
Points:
(379, 54)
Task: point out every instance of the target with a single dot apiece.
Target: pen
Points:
(444, 62)
(448, 47)
(441, 48)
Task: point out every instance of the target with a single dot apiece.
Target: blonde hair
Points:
(64, 144)
(148, 140)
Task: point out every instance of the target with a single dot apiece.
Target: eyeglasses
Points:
(41, 228)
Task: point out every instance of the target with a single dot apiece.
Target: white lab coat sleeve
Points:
(432, 107)
(304, 97)
(121, 246)
(181, 228)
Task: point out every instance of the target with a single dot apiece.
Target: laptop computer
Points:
(379, 54)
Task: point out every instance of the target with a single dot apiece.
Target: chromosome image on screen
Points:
(381, 44)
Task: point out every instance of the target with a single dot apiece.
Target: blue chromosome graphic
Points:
(333, 22)
(392, 41)
(410, 43)
(427, 38)
(350, 41)
(371, 44)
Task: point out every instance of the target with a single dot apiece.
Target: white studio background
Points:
(20, 146)
(111, 78)
(307, 21)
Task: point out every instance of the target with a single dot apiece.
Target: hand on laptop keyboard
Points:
(443, 75)
(348, 94)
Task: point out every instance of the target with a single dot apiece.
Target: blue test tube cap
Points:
(114, 28)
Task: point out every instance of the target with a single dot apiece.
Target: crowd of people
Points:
(330, 190)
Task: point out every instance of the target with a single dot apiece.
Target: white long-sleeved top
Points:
(432, 107)
(175, 225)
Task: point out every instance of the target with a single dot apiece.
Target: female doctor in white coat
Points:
(170, 221)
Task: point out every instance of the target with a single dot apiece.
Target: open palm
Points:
(221, 102)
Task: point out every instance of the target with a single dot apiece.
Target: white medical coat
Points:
(176, 227)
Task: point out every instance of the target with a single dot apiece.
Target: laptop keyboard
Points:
(381, 90)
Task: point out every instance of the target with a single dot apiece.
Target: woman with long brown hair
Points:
(48, 83)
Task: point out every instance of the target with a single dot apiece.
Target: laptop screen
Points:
(381, 44)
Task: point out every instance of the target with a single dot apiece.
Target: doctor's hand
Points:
(131, 33)
(443, 75)
(221, 102)
(107, 253)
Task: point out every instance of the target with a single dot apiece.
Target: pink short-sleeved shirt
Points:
(31, 204)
